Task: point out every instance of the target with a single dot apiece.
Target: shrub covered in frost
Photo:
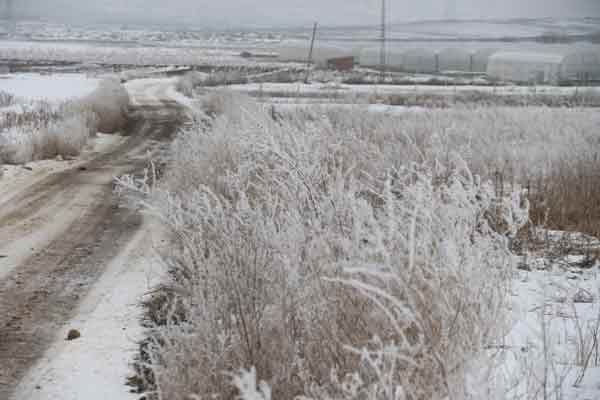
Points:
(38, 130)
(43, 130)
(109, 102)
(338, 258)
(6, 99)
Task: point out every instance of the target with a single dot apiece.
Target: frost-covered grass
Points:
(341, 254)
(551, 152)
(194, 79)
(38, 129)
(45, 131)
(432, 96)
(188, 83)
(339, 260)
(362, 85)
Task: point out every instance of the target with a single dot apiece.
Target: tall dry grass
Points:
(41, 130)
(551, 153)
(109, 102)
(340, 256)
(568, 198)
(6, 99)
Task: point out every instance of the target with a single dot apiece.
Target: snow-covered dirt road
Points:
(61, 235)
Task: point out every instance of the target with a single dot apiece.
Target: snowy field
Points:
(117, 54)
(457, 30)
(56, 87)
(117, 34)
(554, 304)
(547, 350)
(110, 44)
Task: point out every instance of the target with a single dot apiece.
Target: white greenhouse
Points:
(553, 68)
(456, 60)
(581, 66)
(428, 60)
(420, 61)
(298, 52)
(394, 59)
(370, 58)
(480, 59)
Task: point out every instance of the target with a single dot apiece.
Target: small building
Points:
(345, 63)
(552, 68)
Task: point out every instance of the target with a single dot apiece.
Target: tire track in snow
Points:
(41, 288)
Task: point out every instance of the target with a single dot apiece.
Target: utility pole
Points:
(9, 15)
(450, 11)
(382, 38)
(310, 53)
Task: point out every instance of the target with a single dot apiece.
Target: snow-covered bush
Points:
(339, 260)
(6, 99)
(47, 131)
(190, 80)
(109, 102)
(37, 129)
(68, 136)
(219, 102)
(186, 84)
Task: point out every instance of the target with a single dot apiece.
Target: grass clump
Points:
(312, 250)
(41, 130)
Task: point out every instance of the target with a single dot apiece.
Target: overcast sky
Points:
(297, 12)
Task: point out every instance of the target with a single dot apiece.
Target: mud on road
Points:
(58, 235)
